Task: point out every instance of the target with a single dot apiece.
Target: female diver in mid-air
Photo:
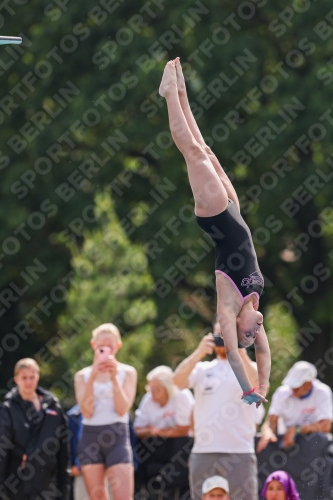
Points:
(239, 282)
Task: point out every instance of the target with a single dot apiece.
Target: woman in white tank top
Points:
(105, 392)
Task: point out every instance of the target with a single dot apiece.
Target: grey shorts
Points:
(105, 444)
(240, 469)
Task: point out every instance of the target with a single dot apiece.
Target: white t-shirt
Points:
(223, 423)
(177, 411)
(298, 411)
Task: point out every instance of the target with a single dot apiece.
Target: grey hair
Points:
(164, 375)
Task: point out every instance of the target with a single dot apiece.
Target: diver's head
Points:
(249, 322)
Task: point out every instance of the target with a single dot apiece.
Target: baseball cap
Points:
(215, 482)
(300, 372)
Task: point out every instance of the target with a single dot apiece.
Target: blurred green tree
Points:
(80, 111)
(110, 283)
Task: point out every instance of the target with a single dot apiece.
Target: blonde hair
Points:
(26, 363)
(108, 328)
(164, 375)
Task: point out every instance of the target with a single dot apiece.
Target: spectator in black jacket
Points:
(34, 440)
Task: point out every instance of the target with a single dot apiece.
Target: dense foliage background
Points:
(96, 211)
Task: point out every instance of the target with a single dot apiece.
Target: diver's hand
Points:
(254, 397)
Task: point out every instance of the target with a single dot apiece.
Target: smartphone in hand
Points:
(103, 353)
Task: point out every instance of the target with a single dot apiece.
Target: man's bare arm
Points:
(270, 424)
(268, 432)
(171, 432)
(143, 432)
(324, 425)
(184, 370)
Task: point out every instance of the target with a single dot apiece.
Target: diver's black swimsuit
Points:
(235, 256)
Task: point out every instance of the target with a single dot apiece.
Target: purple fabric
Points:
(287, 483)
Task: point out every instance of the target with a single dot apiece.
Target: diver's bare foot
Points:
(169, 79)
(180, 76)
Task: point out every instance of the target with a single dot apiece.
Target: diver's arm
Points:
(263, 357)
(227, 319)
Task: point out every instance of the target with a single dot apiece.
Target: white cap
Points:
(299, 373)
(215, 482)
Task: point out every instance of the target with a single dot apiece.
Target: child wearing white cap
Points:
(215, 488)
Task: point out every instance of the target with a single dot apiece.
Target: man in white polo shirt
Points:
(224, 426)
(302, 402)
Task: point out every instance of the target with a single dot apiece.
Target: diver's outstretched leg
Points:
(198, 136)
(209, 193)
